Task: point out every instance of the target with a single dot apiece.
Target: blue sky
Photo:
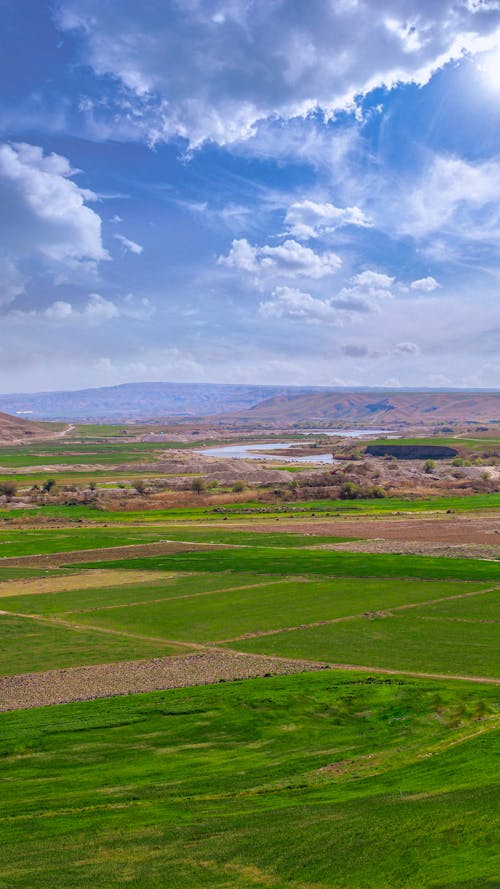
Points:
(269, 191)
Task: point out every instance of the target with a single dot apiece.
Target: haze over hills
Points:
(253, 405)
(375, 408)
(130, 401)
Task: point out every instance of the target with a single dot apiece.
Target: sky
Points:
(249, 191)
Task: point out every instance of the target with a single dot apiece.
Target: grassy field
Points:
(336, 779)
(321, 780)
(285, 561)
(253, 511)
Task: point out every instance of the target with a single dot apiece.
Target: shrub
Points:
(198, 485)
(8, 489)
(238, 487)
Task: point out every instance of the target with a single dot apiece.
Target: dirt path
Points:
(132, 677)
(366, 614)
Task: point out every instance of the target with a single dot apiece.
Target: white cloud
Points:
(425, 285)
(309, 219)
(293, 303)
(129, 245)
(406, 349)
(372, 280)
(364, 295)
(214, 70)
(47, 213)
(285, 260)
(45, 218)
(98, 310)
(454, 198)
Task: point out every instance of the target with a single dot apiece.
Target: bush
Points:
(8, 489)
(429, 466)
(49, 485)
(198, 485)
(238, 487)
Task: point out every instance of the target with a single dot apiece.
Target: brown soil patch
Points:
(438, 530)
(132, 677)
(85, 580)
(421, 547)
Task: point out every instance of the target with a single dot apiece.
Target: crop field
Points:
(235, 704)
(321, 780)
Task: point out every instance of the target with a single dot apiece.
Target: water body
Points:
(254, 451)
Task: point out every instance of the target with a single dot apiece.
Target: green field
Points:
(285, 561)
(335, 779)
(254, 511)
(322, 780)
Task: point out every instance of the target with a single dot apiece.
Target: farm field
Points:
(203, 696)
(326, 779)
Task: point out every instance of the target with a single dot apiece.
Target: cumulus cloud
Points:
(287, 259)
(406, 349)
(44, 217)
(129, 245)
(98, 310)
(309, 219)
(44, 210)
(214, 70)
(425, 285)
(363, 295)
(293, 303)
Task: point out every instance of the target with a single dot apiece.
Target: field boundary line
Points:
(348, 617)
(55, 621)
(232, 589)
(360, 668)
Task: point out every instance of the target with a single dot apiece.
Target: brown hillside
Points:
(376, 408)
(14, 429)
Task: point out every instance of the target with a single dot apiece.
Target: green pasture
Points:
(28, 644)
(255, 511)
(321, 780)
(29, 541)
(401, 641)
(476, 445)
(286, 561)
(74, 604)
(270, 606)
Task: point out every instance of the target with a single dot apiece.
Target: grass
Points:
(406, 642)
(269, 606)
(318, 780)
(28, 645)
(254, 510)
(285, 562)
(26, 542)
(74, 601)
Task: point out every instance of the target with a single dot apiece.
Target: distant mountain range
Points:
(142, 401)
(267, 406)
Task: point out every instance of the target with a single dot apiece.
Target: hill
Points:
(144, 401)
(373, 408)
(13, 429)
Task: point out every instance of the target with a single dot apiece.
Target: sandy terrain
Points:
(83, 580)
